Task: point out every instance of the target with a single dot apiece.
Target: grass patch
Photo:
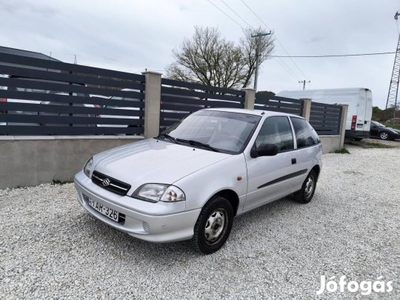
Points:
(395, 125)
(365, 145)
(342, 151)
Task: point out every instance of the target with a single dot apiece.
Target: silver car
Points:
(191, 180)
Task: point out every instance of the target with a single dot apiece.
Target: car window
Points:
(277, 131)
(305, 134)
(226, 131)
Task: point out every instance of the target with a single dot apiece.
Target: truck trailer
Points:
(359, 101)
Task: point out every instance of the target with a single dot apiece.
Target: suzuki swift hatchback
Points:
(191, 180)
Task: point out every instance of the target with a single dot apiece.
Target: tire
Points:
(305, 194)
(213, 226)
(383, 135)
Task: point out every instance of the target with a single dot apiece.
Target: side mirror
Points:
(264, 150)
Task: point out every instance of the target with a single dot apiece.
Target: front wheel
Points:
(384, 135)
(213, 226)
(305, 194)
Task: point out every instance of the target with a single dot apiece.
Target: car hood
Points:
(393, 130)
(154, 161)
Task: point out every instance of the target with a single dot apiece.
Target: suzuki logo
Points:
(106, 182)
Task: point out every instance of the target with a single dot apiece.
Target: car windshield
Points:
(220, 131)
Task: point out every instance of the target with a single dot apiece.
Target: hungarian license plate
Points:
(104, 210)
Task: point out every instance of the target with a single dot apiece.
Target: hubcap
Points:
(384, 135)
(215, 226)
(309, 188)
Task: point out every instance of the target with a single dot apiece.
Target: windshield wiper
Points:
(167, 136)
(199, 144)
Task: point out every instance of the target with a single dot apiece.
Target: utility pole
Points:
(257, 37)
(395, 78)
(304, 83)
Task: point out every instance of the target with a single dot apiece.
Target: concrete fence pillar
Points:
(249, 98)
(152, 101)
(306, 108)
(343, 121)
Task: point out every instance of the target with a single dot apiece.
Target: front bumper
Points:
(156, 226)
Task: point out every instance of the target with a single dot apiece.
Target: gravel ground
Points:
(51, 249)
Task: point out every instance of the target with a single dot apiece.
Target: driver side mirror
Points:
(264, 150)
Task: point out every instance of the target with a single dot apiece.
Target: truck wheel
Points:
(213, 226)
(383, 135)
(305, 194)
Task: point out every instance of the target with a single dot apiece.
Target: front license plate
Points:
(104, 210)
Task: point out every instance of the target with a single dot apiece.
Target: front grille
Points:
(111, 184)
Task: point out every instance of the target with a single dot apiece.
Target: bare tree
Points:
(210, 59)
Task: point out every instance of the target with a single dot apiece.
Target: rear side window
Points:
(305, 134)
(276, 130)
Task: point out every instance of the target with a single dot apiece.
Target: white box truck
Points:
(359, 100)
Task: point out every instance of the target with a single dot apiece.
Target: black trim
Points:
(114, 185)
(295, 174)
(351, 134)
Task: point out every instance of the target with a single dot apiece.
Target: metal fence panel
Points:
(278, 104)
(180, 99)
(326, 118)
(49, 97)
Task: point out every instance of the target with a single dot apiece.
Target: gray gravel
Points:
(51, 249)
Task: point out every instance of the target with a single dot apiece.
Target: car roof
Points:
(256, 112)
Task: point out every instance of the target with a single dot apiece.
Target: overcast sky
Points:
(131, 35)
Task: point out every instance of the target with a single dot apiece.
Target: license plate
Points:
(104, 210)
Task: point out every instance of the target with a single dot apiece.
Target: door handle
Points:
(294, 161)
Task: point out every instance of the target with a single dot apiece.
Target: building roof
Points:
(25, 53)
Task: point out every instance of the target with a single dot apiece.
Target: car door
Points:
(374, 130)
(308, 145)
(271, 177)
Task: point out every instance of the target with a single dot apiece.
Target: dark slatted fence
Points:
(47, 97)
(279, 104)
(326, 118)
(179, 99)
(44, 97)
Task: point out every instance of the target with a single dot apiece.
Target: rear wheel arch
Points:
(317, 170)
(306, 193)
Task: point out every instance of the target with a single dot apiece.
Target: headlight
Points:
(87, 168)
(155, 192)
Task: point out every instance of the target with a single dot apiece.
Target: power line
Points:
(235, 13)
(333, 55)
(288, 55)
(287, 69)
(255, 14)
(285, 66)
(225, 14)
(280, 61)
